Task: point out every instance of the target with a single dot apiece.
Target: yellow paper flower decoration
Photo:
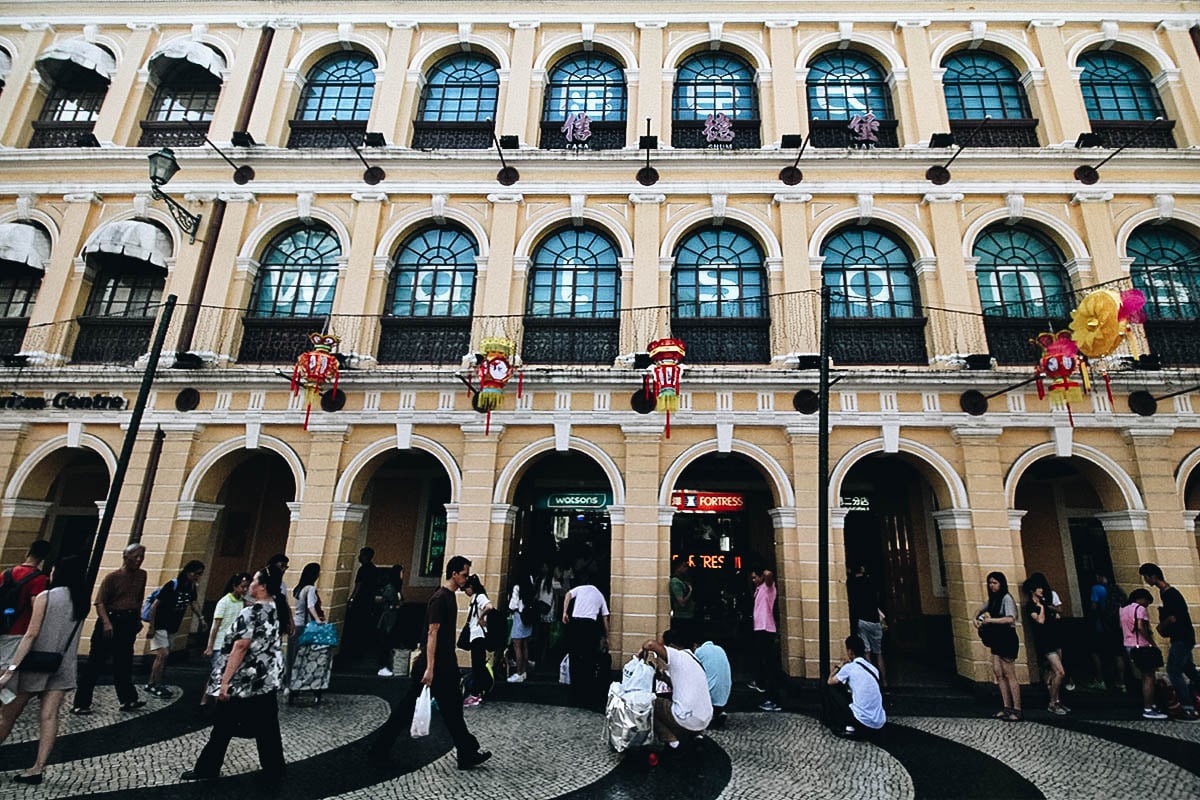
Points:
(1096, 326)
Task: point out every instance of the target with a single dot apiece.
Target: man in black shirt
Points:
(1176, 622)
(437, 668)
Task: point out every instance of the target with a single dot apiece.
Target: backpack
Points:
(10, 596)
(154, 596)
(495, 635)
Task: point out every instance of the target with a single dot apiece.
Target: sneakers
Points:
(754, 685)
(769, 705)
(472, 700)
(474, 759)
(134, 706)
(1058, 709)
(81, 711)
(161, 692)
(1153, 713)
(517, 677)
(1190, 715)
(384, 672)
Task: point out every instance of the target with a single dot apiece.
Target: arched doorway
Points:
(1063, 538)
(1191, 502)
(890, 529)
(722, 530)
(80, 481)
(254, 519)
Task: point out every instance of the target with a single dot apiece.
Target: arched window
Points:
(335, 102)
(849, 102)
(719, 297)
(715, 103)
(457, 103)
(1166, 267)
(875, 306)
(1115, 87)
(189, 84)
(298, 274)
(585, 103)
(24, 254)
(573, 297)
(75, 95)
(431, 291)
(979, 84)
(1020, 273)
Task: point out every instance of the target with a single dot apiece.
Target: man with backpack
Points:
(118, 603)
(1104, 630)
(18, 586)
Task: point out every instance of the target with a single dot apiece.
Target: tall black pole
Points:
(135, 422)
(823, 493)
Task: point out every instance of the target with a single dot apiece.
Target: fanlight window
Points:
(843, 84)
(1166, 267)
(1021, 274)
(575, 273)
(586, 83)
(341, 87)
(298, 274)
(978, 84)
(711, 83)
(719, 273)
(461, 88)
(870, 276)
(434, 275)
(1115, 87)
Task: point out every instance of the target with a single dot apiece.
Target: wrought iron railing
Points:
(111, 340)
(48, 133)
(605, 136)
(1011, 339)
(690, 133)
(878, 341)
(451, 135)
(319, 134)
(549, 340)
(725, 341)
(1176, 342)
(270, 340)
(837, 133)
(1133, 133)
(997, 132)
(423, 341)
(172, 134)
(12, 334)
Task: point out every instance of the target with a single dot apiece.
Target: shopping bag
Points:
(564, 670)
(421, 715)
(637, 675)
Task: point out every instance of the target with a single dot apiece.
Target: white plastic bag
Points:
(421, 715)
(564, 670)
(637, 676)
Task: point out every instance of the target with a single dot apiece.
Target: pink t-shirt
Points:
(1130, 631)
(764, 608)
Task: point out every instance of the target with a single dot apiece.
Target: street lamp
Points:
(163, 167)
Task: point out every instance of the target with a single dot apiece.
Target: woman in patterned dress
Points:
(246, 687)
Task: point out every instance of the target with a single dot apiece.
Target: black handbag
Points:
(464, 636)
(47, 661)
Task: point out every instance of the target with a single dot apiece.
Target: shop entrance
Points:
(889, 529)
(722, 530)
(71, 521)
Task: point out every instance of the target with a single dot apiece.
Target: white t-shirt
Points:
(867, 702)
(307, 600)
(481, 604)
(690, 702)
(588, 603)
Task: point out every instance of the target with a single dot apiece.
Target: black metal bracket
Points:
(371, 175)
(1145, 404)
(939, 174)
(241, 174)
(975, 402)
(188, 222)
(792, 175)
(1088, 175)
(507, 175)
(647, 175)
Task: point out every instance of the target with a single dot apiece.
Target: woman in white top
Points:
(523, 610)
(228, 607)
(481, 679)
(310, 663)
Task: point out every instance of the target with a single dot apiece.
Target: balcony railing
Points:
(690, 133)
(423, 341)
(837, 133)
(451, 135)
(12, 334)
(172, 134)
(1115, 133)
(605, 136)
(112, 340)
(724, 341)
(997, 133)
(61, 134)
(877, 341)
(267, 340)
(1010, 339)
(569, 341)
(1175, 341)
(319, 134)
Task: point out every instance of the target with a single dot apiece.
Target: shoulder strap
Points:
(870, 670)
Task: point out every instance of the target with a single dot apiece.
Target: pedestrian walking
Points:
(165, 617)
(246, 687)
(54, 627)
(765, 639)
(481, 681)
(1139, 645)
(859, 712)
(1176, 623)
(437, 668)
(866, 616)
(522, 606)
(309, 663)
(585, 614)
(392, 597)
(1047, 638)
(996, 622)
(360, 610)
(1105, 601)
(227, 610)
(19, 584)
(118, 612)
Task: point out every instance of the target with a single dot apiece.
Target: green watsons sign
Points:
(576, 500)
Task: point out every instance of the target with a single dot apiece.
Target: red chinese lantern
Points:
(667, 355)
(314, 369)
(1060, 359)
(494, 373)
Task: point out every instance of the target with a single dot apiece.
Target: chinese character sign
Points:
(865, 128)
(577, 129)
(718, 129)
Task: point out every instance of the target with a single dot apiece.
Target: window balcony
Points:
(451, 135)
(555, 340)
(1115, 133)
(62, 134)
(325, 134)
(690, 133)
(1009, 338)
(112, 340)
(724, 341)
(172, 134)
(276, 340)
(605, 136)
(997, 133)
(877, 341)
(837, 133)
(12, 334)
(408, 340)
(1175, 341)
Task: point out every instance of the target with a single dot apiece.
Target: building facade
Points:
(428, 176)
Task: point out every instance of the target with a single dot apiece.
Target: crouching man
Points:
(688, 709)
(860, 712)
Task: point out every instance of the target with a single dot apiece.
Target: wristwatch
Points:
(11, 668)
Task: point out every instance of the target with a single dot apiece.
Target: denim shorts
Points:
(872, 635)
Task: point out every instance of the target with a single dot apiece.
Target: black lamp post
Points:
(163, 167)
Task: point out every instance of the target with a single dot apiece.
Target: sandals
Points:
(1002, 713)
(1013, 715)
